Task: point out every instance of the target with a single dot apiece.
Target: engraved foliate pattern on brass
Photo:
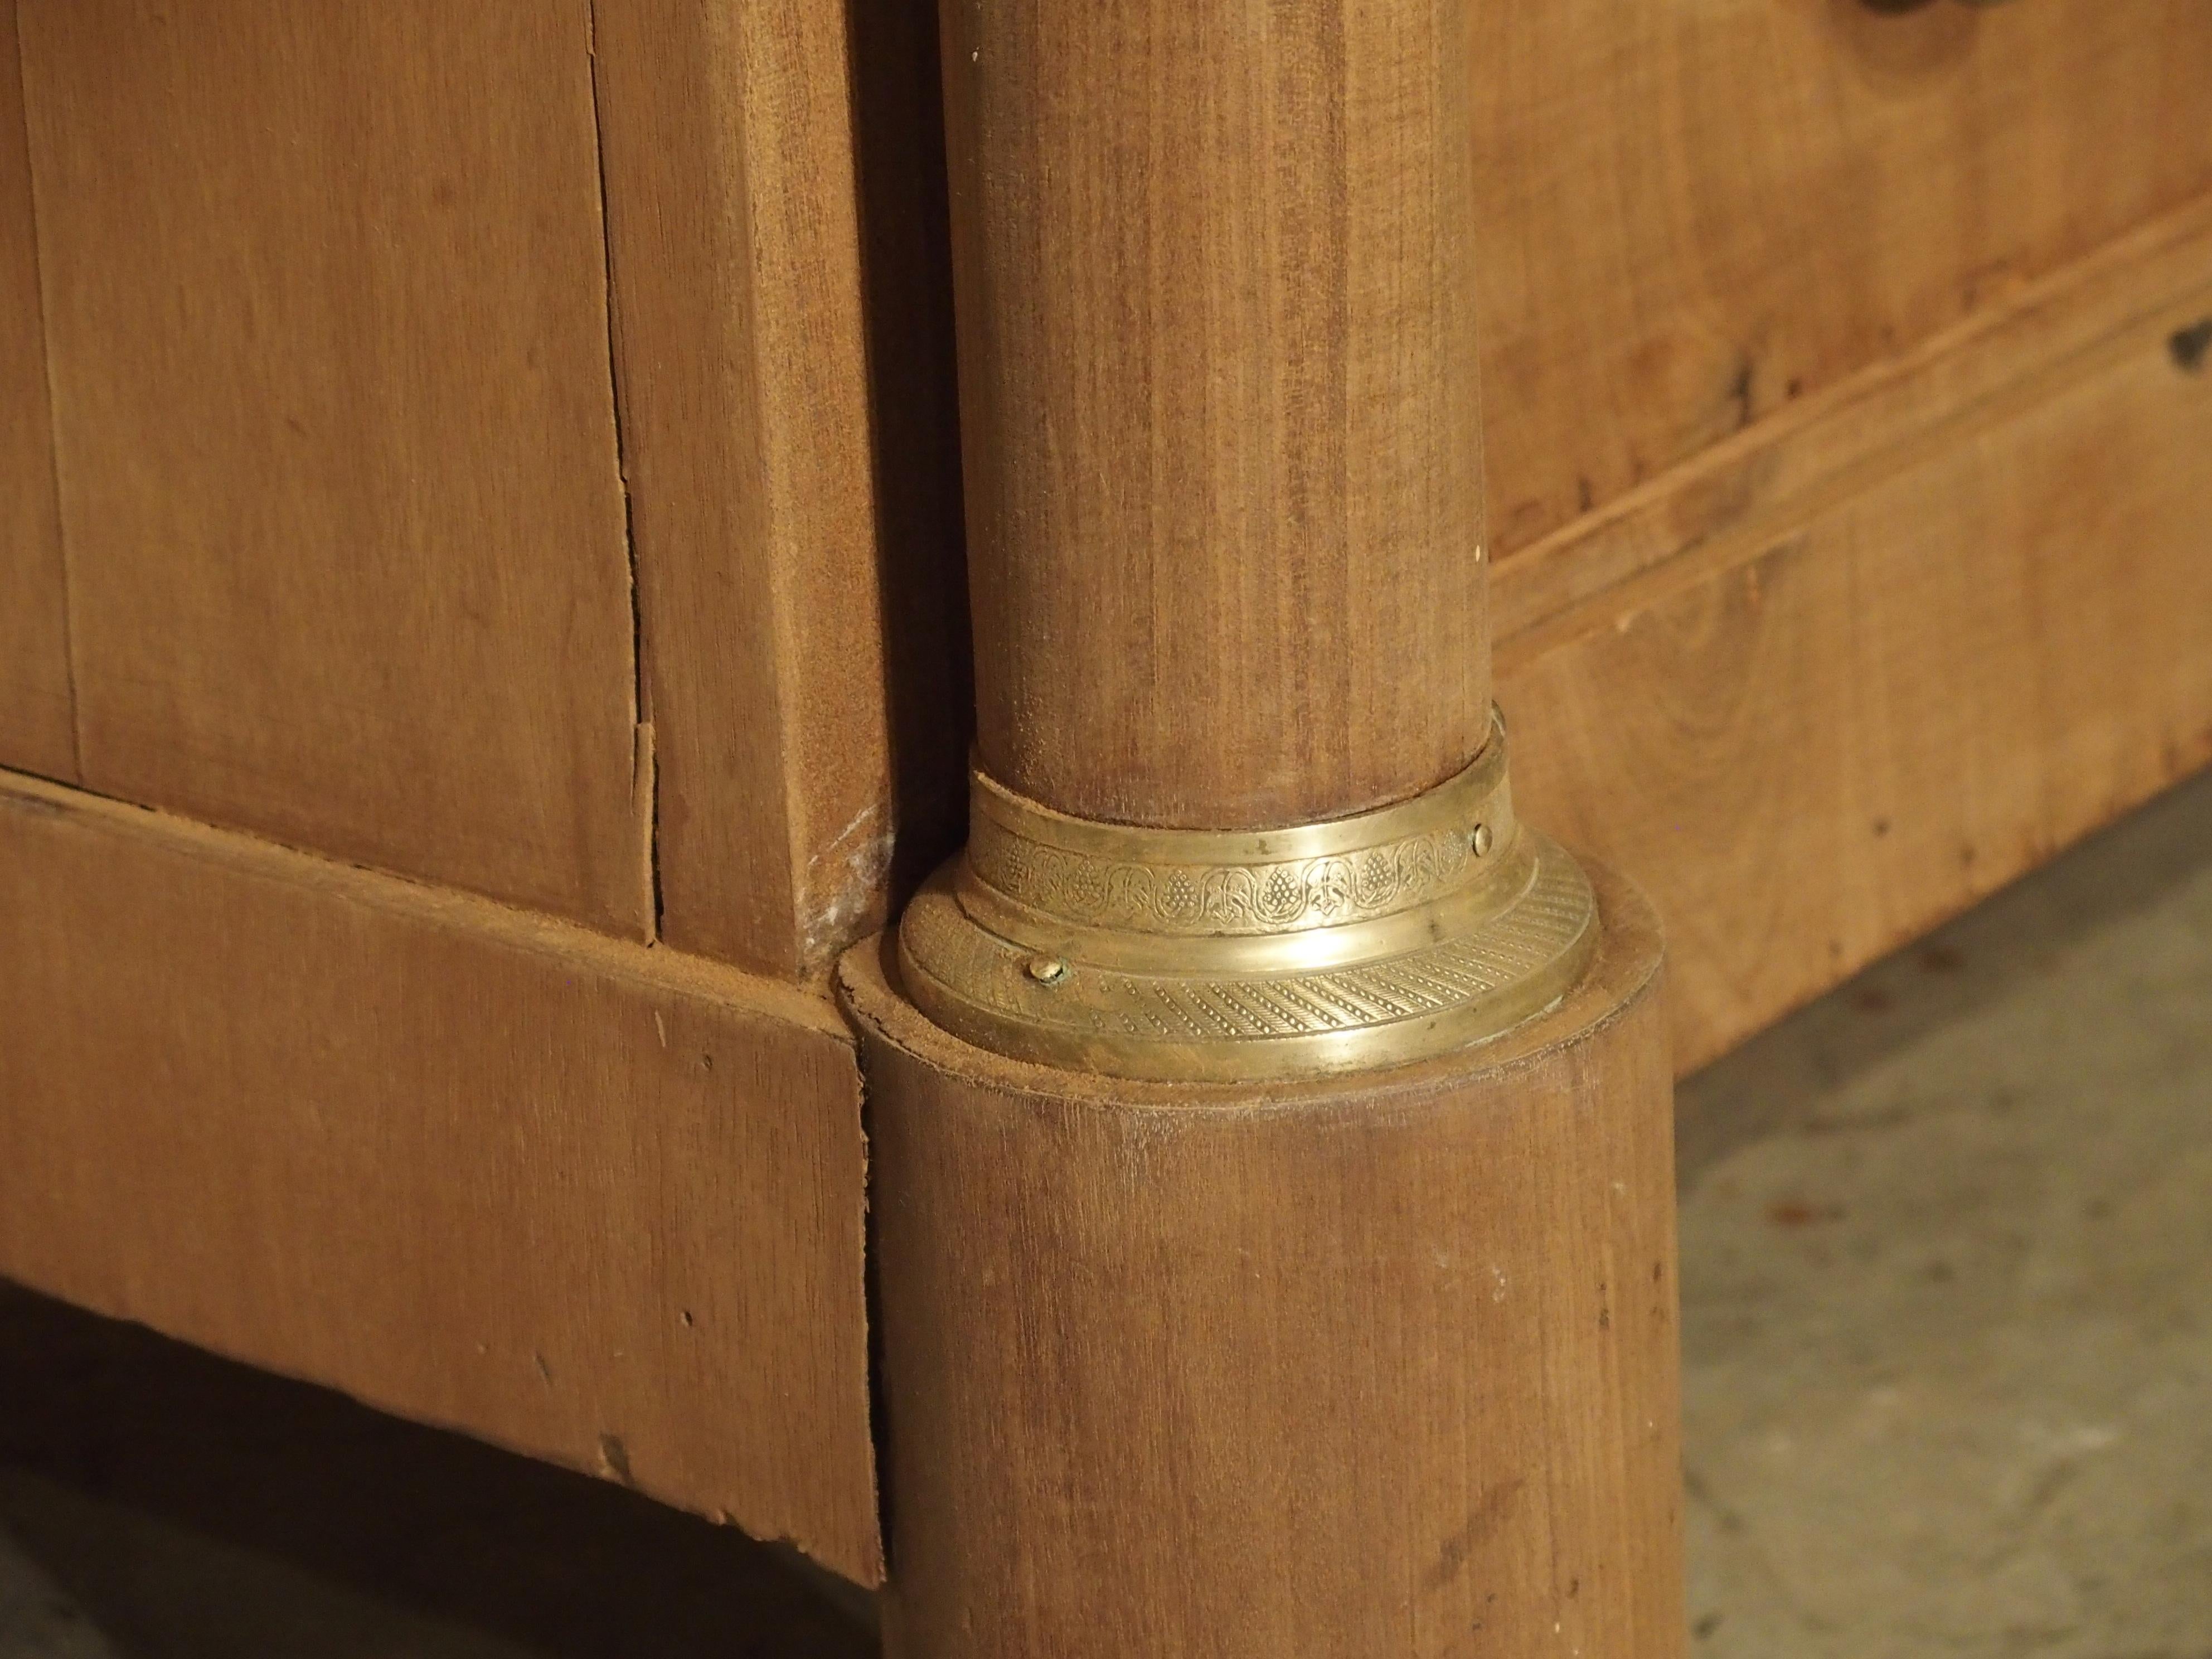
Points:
(1216, 884)
(1205, 900)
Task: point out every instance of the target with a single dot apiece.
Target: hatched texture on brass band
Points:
(1535, 928)
(1215, 955)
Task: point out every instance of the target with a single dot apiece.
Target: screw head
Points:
(1480, 840)
(1046, 970)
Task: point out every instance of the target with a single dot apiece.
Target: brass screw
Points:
(1480, 840)
(1046, 970)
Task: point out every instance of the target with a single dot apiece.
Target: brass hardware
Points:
(1229, 955)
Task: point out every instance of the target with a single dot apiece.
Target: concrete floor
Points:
(1947, 1243)
(1948, 1273)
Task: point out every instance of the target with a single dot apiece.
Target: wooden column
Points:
(1218, 403)
(1272, 1136)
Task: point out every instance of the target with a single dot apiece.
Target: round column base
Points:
(1376, 1365)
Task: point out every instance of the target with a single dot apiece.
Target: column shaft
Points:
(1218, 403)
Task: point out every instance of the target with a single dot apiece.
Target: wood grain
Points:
(1218, 403)
(327, 310)
(1692, 216)
(1660, 193)
(38, 717)
(1814, 740)
(1387, 1366)
(788, 442)
(1826, 448)
(1965, 342)
(597, 1203)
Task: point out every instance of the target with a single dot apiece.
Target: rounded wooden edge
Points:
(1626, 969)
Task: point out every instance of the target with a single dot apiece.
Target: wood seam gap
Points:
(53, 421)
(644, 770)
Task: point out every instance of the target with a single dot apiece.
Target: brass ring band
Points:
(1212, 955)
(1204, 884)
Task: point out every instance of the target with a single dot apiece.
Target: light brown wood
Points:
(1937, 610)
(38, 730)
(1741, 209)
(326, 313)
(1692, 215)
(1660, 193)
(787, 439)
(1697, 790)
(1816, 735)
(1382, 1366)
(1755, 934)
(1824, 449)
(598, 1203)
(1888, 96)
(1217, 405)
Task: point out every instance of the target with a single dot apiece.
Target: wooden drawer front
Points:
(1694, 211)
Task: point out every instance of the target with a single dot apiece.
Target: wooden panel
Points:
(1691, 215)
(598, 1203)
(37, 716)
(1814, 737)
(326, 308)
(757, 360)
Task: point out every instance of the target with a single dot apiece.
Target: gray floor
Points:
(1948, 1275)
(1948, 1272)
